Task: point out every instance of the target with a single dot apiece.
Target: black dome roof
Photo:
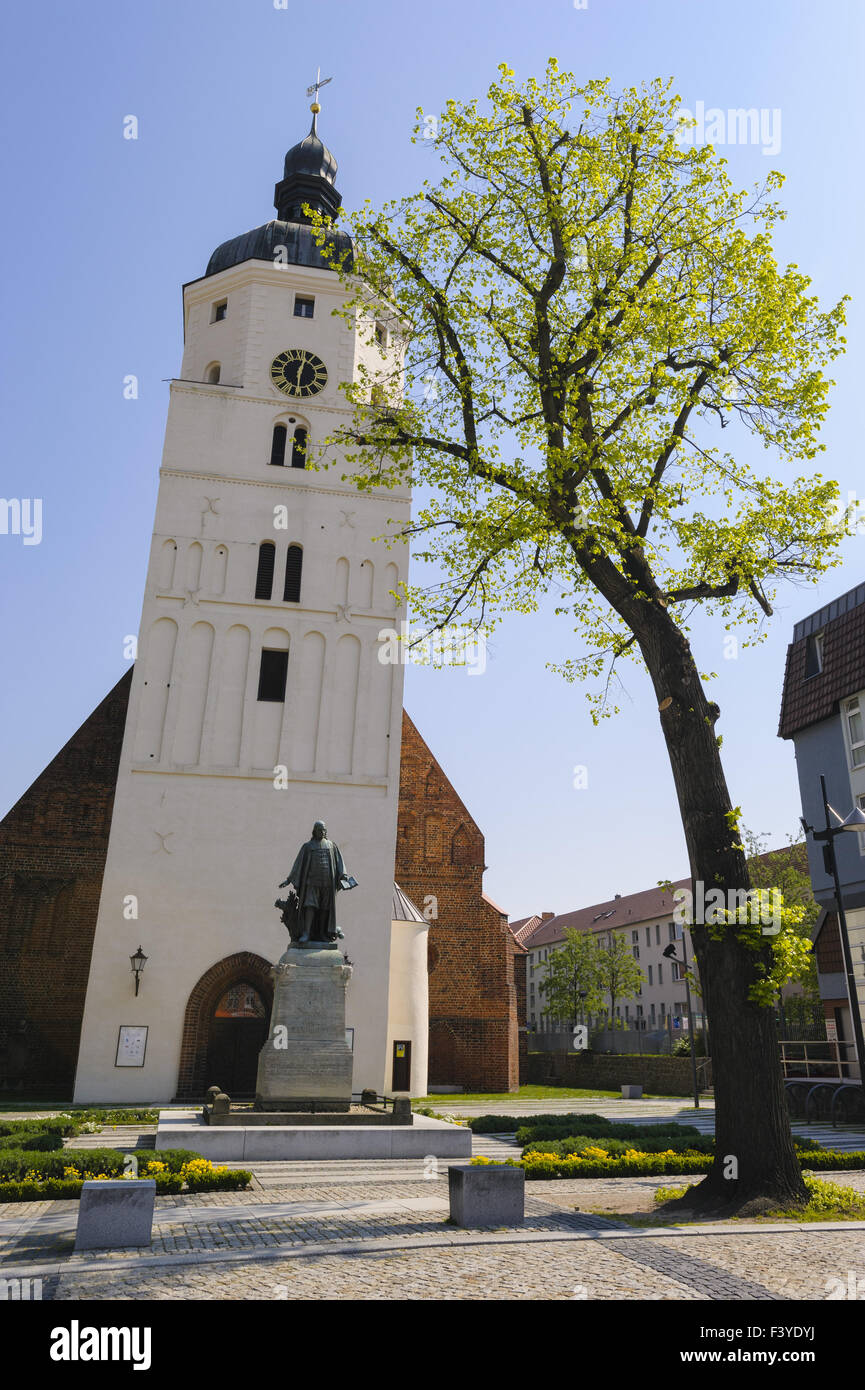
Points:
(300, 245)
(311, 156)
(308, 179)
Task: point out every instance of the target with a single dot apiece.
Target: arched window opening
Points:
(211, 376)
(293, 569)
(277, 447)
(266, 562)
(298, 447)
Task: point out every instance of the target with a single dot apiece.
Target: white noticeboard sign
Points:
(831, 1030)
(131, 1046)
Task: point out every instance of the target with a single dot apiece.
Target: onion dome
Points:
(308, 179)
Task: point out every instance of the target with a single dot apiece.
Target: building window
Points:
(264, 577)
(212, 374)
(635, 936)
(657, 933)
(855, 732)
(648, 936)
(304, 307)
(219, 311)
(298, 448)
(671, 931)
(660, 973)
(635, 952)
(813, 655)
(674, 967)
(293, 568)
(277, 446)
(272, 676)
(381, 335)
(662, 1009)
(649, 968)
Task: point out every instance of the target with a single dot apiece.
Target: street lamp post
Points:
(855, 822)
(670, 952)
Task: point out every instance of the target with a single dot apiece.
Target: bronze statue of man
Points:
(316, 876)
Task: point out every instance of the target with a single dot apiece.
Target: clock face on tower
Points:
(297, 372)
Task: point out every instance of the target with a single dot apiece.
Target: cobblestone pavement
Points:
(372, 1230)
(370, 1241)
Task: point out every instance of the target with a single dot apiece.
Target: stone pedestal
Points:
(306, 1063)
(116, 1214)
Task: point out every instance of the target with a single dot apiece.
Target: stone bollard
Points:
(368, 1097)
(486, 1195)
(632, 1093)
(221, 1104)
(402, 1111)
(212, 1093)
(115, 1214)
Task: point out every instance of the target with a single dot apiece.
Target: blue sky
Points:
(101, 232)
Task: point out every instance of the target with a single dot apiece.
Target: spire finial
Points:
(316, 105)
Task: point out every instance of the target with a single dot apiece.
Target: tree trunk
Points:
(755, 1160)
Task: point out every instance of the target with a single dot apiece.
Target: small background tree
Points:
(573, 969)
(618, 973)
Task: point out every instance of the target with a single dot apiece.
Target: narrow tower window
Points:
(304, 307)
(219, 311)
(212, 374)
(273, 675)
(264, 577)
(277, 447)
(293, 568)
(298, 448)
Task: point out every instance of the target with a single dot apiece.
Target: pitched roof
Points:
(522, 929)
(807, 700)
(630, 910)
(488, 900)
(627, 911)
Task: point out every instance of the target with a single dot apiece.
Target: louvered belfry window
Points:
(298, 448)
(277, 447)
(264, 577)
(293, 570)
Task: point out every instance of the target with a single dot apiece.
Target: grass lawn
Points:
(529, 1093)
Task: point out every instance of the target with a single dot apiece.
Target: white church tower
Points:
(258, 703)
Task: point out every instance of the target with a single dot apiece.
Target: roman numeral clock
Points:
(297, 372)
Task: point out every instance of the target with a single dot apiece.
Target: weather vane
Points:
(314, 89)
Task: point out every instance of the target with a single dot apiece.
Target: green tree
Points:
(586, 312)
(571, 986)
(618, 973)
(786, 869)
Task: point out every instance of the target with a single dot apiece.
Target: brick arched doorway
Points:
(224, 1033)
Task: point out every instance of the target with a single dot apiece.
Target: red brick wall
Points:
(477, 970)
(53, 845)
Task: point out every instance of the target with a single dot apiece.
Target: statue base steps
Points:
(259, 1141)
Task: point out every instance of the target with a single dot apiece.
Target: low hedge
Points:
(69, 1189)
(575, 1125)
(34, 1140)
(17, 1163)
(174, 1159)
(194, 1174)
(57, 1124)
(824, 1160)
(541, 1167)
(577, 1143)
(506, 1124)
